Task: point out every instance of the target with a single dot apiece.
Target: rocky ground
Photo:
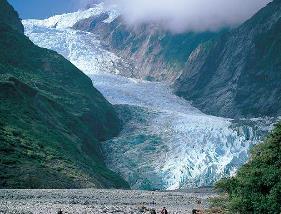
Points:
(100, 201)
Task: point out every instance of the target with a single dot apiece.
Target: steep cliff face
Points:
(9, 16)
(155, 53)
(239, 73)
(52, 118)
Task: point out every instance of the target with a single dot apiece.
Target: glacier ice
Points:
(68, 20)
(166, 143)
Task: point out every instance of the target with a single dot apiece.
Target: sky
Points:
(40, 9)
(175, 15)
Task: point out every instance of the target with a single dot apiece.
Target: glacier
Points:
(166, 143)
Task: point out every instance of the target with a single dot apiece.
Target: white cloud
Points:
(193, 15)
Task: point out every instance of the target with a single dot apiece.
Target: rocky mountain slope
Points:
(238, 74)
(165, 142)
(10, 16)
(155, 53)
(51, 117)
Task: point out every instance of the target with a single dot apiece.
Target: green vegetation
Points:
(9, 16)
(51, 119)
(257, 186)
(177, 48)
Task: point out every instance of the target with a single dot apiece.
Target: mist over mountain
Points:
(240, 69)
(86, 3)
(186, 15)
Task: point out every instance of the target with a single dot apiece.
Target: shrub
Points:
(256, 188)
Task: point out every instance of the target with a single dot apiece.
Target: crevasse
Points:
(167, 143)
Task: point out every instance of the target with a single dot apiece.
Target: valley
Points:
(165, 143)
(132, 106)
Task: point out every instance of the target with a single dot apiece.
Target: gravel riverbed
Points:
(100, 201)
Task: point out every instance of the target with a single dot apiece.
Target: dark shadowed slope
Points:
(51, 117)
(238, 74)
(9, 16)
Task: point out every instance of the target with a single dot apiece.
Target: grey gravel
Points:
(99, 201)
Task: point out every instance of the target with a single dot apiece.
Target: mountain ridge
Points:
(156, 54)
(165, 142)
(243, 78)
(10, 17)
(52, 118)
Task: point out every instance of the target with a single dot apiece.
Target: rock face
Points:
(9, 16)
(51, 117)
(156, 54)
(238, 74)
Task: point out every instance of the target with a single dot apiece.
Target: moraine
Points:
(166, 143)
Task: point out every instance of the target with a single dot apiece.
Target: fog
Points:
(188, 15)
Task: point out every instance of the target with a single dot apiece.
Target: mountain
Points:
(51, 117)
(155, 53)
(9, 16)
(165, 142)
(238, 74)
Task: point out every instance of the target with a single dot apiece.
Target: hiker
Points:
(164, 211)
(194, 211)
(59, 212)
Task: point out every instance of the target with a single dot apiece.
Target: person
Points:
(153, 211)
(59, 212)
(195, 211)
(164, 211)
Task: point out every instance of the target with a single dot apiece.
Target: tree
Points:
(256, 188)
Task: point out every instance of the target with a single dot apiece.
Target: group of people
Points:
(163, 211)
(153, 211)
